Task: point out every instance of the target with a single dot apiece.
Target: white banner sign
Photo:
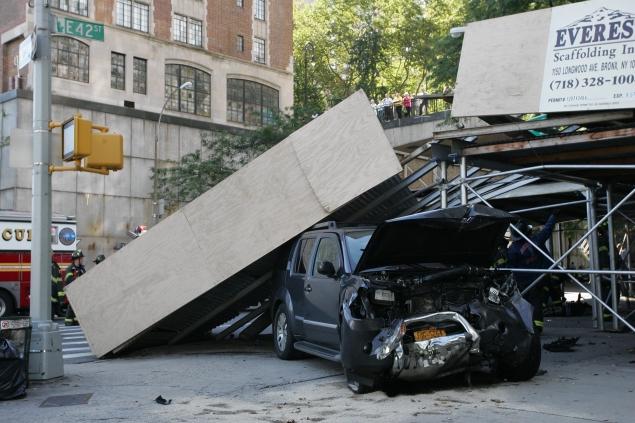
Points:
(590, 57)
(16, 236)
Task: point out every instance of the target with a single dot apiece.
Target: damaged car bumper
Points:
(437, 356)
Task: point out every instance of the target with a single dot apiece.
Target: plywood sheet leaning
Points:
(286, 190)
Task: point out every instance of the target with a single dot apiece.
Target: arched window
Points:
(195, 100)
(70, 58)
(250, 102)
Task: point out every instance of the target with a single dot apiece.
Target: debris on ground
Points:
(162, 401)
(562, 344)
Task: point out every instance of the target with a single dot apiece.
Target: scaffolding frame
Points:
(598, 305)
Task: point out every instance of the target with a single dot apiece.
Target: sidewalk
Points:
(238, 381)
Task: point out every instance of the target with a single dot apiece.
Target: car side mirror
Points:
(326, 268)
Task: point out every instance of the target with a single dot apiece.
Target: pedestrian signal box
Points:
(90, 146)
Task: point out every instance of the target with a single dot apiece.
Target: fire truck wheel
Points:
(6, 304)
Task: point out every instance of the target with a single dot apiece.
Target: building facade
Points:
(118, 62)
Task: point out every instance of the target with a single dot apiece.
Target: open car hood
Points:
(458, 235)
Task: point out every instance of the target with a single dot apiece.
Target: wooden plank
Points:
(535, 125)
(580, 156)
(588, 137)
(258, 325)
(294, 185)
(501, 66)
(246, 318)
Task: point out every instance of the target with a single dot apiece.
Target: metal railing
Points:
(421, 105)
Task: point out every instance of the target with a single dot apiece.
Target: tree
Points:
(385, 46)
(222, 154)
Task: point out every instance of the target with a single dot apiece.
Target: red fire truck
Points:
(15, 256)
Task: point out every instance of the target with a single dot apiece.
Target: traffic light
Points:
(90, 146)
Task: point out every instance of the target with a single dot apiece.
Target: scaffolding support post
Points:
(443, 167)
(463, 181)
(598, 322)
(611, 236)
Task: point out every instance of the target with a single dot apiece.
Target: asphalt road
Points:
(244, 382)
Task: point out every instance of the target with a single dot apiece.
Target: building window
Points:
(251, 103)
(117, 71)
(240, 43)
(139, 75)
(133, 14)
(187, 30)
(259, 51)
(79, 7)
(240, 3)
(69, 58)
(260, 9)
(195, 100)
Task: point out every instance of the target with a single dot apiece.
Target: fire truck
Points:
(15, 256)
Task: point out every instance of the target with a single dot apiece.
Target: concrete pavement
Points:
(236, 381)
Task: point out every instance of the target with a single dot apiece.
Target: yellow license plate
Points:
(425, 334)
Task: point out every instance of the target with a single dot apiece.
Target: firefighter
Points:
(522, 255)
(73, 271)
(57, 290)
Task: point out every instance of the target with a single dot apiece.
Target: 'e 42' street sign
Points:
(79, 28)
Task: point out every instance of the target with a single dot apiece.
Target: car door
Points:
(299, 267)
(321, 294)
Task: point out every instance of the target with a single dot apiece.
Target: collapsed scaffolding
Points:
(527, 163)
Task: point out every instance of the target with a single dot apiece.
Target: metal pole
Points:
(552, 167)
(155, 193)
(463, 180)
(550, 206)
(555, 263)
(572, 271)
(611, 236)
(594, 262)
(443, 186)
(45, 358)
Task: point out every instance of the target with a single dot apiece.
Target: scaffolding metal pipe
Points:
(594, 262)
(549, 206)
(611, 236)
(551, 167)
(463, 180)
(443, 186)
(573, 271)
(573, 278)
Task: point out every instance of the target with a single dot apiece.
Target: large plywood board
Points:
(502, 64)
(294, 185)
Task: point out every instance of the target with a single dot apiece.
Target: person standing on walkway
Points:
(387, 104)
(522, 255)
(407, 104)
(397, 101)
(73, 271)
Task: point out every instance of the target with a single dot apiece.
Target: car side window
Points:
(303, 256)
(328, 250)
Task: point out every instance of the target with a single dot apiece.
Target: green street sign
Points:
(79, 28)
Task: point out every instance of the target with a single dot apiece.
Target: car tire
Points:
(6, 304)
(283, 339)
(526, 369)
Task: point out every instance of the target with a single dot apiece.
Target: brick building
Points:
(117, 62)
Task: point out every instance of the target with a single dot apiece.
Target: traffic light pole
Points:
(45, 360)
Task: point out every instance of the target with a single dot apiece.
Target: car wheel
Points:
(6, 304)
(525, 369)
(282, 337)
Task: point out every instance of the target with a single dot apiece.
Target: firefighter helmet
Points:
(77, 254)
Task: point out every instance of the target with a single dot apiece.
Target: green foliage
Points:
(222, 154)
(384, 46)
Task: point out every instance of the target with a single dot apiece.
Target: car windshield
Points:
(355, 243)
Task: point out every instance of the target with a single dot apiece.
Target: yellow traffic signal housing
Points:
(76, 138)
(106, 152)
(90, 146)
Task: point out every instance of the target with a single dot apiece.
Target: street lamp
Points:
(308, 46)
(155, 195)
